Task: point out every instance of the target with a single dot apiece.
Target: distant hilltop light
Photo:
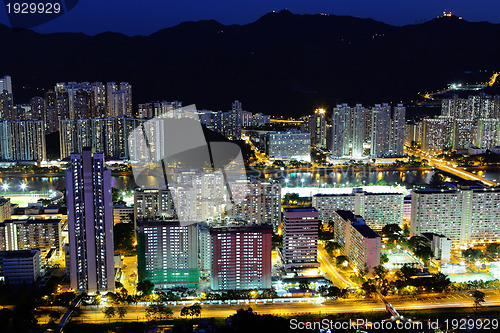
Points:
(448, 14)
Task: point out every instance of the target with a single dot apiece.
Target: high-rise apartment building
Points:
(158, 109)
(359, 242)
(241, 257)
(317, 127)
(358, 130)
(28, 234)
(167, 253)
(261, 203)
(437, 134)
(463, 133)
(464, 215)
(6, 84)
(153, 204)
(378, 209)
(488, 133)
(381, 130)
(98, 90)
(74, 100)
(204, 249)
(6, 105)
(37, 108)
(398, 130)
(341, 130)
(22, 140)
(471, 108)
(260, 119)
(107, 135)
(90, 223)
(291, 144)
(300, 239)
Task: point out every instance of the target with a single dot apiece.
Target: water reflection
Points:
(324, 178)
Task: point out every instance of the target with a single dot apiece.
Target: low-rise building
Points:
(123, 214)
(440, 246)
(20, 267)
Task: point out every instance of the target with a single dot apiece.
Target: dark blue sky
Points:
(142, 17)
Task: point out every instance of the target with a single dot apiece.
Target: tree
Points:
(406, 230)
(324, 234)
(164, 311)
(423, 252)
(406, 272)
(493, 249)
(269, 293)
(122, 312)
(195, 310)
(437, 180)
(441, 282)
(124, 237)
(341, 261)
(478, 297)
(380, 272)
(145, 287)
(384, 258)
(185, 311)
(368, 288)
(150, 310)
(109, 312)
(392, 231)
(304, 285)
(277, 240)
(417, 241)
(332, 247)
(472, 254)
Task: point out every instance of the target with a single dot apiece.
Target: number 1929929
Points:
(472, 324)
(33, 8)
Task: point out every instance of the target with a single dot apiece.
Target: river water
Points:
(335, 178)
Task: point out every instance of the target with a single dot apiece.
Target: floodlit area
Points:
(24, 199)
(459, 278)
(397, 261)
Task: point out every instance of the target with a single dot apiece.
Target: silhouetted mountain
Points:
(280, 64)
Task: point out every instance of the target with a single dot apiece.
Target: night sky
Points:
(143, 17)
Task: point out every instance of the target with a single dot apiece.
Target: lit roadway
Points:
(355, 306)
(329, 268)
(442, 165)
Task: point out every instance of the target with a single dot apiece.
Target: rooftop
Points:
(365, 231)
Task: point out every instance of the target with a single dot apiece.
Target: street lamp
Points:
(286, 181)
(302, 181)
(23, 186)
(5, 187)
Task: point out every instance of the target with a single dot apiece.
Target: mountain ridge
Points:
(282, 63)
